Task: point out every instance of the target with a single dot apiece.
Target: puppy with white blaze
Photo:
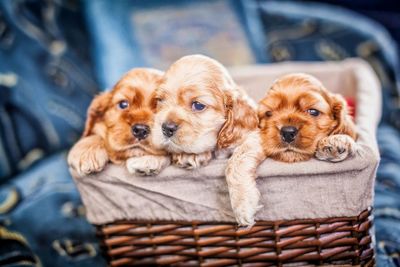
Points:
(200, 110)
(298, 119)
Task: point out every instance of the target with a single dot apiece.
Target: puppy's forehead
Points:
(143, 79)
(297, 81)
(297, 89)
(128, 92)
(313, 99)
(196, 71)
(137, 82)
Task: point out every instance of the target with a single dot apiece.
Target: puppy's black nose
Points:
(288, 133)
(140, 131)
(169, 128)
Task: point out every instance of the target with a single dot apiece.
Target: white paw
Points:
(93, 161)
(335, 148)
(191, 161)
(87, 157)
(245, 206)
(147, 165)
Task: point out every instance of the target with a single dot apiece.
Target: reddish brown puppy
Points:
(298, 119)
(119, 128)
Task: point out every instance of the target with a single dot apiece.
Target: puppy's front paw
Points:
(191, 161)
(88, 156)
(147, 165)
(336, 148)
(245, 206)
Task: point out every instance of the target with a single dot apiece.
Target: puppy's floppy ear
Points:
(96, 112)
(340, 113)
(240, 118)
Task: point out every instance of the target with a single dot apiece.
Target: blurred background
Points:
(55, 55)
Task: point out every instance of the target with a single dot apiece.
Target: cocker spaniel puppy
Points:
(200, 109)
(298, 119)
(119, 128)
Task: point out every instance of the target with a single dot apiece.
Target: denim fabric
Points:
(307, 31)
(288, 30)
(46, 82)
(386, 12)
(43, 221)
(126, 35)
(387, 196)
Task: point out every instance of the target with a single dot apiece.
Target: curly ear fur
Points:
(340, 113)
(241, 117)
(96, 112)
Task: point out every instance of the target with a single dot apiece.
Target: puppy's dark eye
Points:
(123, 104)
(159, 99)
(197, 106)
(268, 113)
(313, 112)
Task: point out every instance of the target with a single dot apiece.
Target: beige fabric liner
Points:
(312, 189)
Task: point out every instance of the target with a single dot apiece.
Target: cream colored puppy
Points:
(200, 109)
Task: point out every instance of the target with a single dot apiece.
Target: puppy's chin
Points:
(291, 155)
(131, 146)
(146, 146)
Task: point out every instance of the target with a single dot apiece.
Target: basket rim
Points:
(362, 216)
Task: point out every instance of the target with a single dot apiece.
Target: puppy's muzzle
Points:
(288, 133)
(140, 131)
(169, 128)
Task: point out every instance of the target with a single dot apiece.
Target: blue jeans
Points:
(51, 66)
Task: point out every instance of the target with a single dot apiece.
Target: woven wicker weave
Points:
(344, 241)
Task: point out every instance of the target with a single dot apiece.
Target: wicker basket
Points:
(183, 218)
(344, 241)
